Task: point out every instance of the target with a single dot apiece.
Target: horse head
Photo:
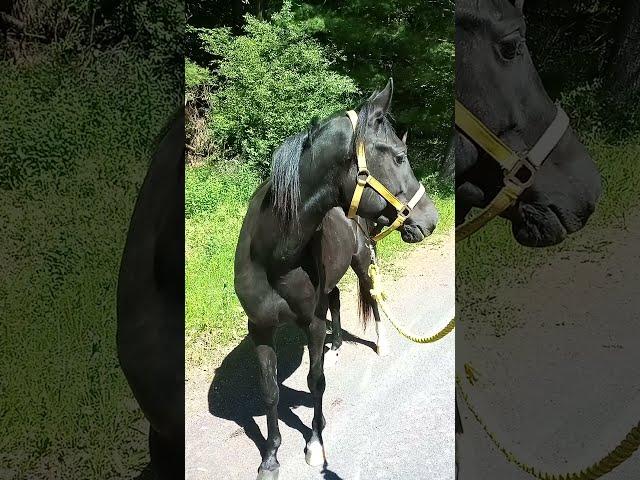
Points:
(387, 162)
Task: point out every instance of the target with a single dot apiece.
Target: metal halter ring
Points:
(522, 174)
(362, 176)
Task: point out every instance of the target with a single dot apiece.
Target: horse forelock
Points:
(365, 113)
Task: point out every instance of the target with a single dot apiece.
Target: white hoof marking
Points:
(314, 455)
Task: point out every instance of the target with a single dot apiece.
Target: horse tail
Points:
(365, 302)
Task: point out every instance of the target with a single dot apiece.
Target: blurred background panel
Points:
(87, 89)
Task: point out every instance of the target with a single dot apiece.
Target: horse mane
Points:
(285, 165)
(285, 177)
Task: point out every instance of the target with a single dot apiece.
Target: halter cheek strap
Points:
(519, 170)
(364, 178)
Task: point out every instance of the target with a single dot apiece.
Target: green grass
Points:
(483, 261)
(216, 199)
(216, 202)
(75, 140)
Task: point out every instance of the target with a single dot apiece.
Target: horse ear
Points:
(382, 101)
(404, 137)
(519, 4)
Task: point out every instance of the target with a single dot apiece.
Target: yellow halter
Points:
(519, 170)
(364, 178)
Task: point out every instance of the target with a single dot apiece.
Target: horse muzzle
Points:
(536, 225)
(420, 224)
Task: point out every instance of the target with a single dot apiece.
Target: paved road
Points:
(387, 417)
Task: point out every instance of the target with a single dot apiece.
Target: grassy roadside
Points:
(216, 200)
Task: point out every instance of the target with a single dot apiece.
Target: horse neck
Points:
(322, 169)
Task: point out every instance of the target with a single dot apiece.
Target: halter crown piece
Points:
(364, 178)
(519, 169)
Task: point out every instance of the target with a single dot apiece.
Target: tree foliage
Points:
(410, 40)
(587, 53)
(269, 83)
(68, 27)
(313, 57)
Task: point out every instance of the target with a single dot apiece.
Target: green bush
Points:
(273, 81)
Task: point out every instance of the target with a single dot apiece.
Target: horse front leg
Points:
(336, 328)
(268, 362)
(315, 453)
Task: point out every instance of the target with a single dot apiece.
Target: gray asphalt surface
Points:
(387, 417)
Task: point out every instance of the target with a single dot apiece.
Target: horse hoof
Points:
(330, 358)
(314, 454)
(267, 474)
(382, 350)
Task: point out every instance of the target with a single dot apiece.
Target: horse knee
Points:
(271, 395)
(316, 381)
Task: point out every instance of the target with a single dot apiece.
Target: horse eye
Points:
(400, 158)
(510, 49)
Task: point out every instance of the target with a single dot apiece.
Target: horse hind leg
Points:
(315, 453)
(167, 456)
(268, 361)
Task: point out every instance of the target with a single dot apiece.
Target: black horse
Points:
(496, 78)
(151, 304)
(278, 272)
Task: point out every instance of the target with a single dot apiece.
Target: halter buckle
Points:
(521, 175)
(362, 176)
(405, 212)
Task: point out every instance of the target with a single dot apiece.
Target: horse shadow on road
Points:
(234, 393)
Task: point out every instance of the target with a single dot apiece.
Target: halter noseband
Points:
(364, 178)
(519, 169)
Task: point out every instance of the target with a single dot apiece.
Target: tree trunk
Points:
(624, 68)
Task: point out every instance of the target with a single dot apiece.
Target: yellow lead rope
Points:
(380, 297)
(615, 457)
